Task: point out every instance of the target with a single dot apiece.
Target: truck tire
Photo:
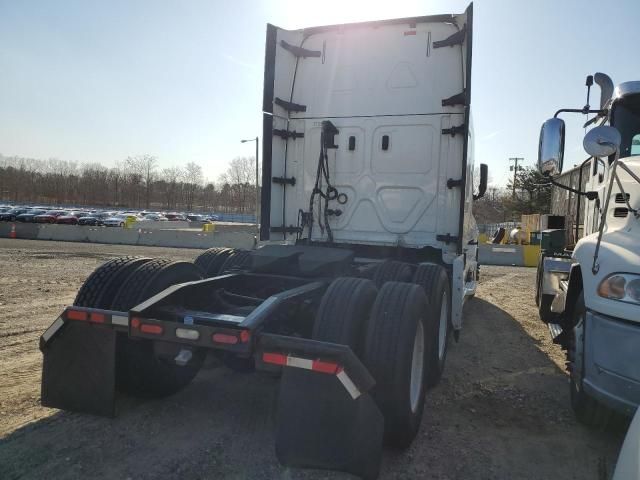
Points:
(435, 281)
(586, 408)
(211, 260)
(544, 308)
(344, 311)
(140, 370)
(237, 260)
(100, 288)
(392, 271)
(395, 354)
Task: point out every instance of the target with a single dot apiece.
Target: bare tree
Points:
(192, 177)
(171, 176)
(144, 167)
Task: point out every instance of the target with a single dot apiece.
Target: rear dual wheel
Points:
(389, 330)
(435, 282)
(143, 367)
(396, 354)
(217, 261)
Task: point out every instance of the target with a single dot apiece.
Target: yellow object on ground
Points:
(531, 254)
(129, 221)
(208, 227)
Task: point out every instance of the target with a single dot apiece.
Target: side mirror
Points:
(602, 141)
(551, 147)
(482, 188)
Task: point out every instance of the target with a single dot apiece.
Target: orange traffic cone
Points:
(12, 234)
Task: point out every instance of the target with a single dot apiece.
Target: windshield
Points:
(626, 118)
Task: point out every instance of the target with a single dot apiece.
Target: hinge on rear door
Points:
(457, 99)
(299, 51)
(284, 180)
(454, 130)
(454, 183)
(283, 229)
(286, 134)
(455, 39)
(290, 106)
(448, 238)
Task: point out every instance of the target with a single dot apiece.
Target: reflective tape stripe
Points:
(120, 320)
(55, 326)
(300, 363)
(348, 384)
(320, 367)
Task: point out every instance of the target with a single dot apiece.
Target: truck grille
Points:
(620, 212)
(620, 198)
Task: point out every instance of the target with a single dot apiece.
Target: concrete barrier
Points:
(28, 231)
(161, 225)
(518, 255)
(238, 237)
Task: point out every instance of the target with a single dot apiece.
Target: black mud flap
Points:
(321, 426)
(78, 370)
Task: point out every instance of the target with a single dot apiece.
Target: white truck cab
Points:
(368, 142)
(596, 310)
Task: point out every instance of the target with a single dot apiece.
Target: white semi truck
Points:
(369, 250)
(594, 286)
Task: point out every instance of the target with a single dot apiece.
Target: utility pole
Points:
(257, 183)
(515, 172)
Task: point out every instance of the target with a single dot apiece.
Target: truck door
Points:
(398, 93)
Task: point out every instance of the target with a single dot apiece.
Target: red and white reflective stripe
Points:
(319, 366)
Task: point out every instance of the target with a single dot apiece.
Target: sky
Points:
(95, 81)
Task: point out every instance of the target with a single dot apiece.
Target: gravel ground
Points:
(501, 410)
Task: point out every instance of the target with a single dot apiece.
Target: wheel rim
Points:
(417, 367)
(444, 325)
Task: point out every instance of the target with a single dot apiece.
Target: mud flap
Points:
(321, 426)
(78, 369)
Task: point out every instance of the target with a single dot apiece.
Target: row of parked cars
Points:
(10, 213)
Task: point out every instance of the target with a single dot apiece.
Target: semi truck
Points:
(588, 287)
(367, 253)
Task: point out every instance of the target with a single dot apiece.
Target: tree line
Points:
(532, 195)
(137, 182)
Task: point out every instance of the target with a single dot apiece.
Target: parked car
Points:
(49, 217)
(154, 217)
(213, 218)
(94, 219)
(175, 217)
(28, 216)
(115, 221)
(11, 214)
(71, 218)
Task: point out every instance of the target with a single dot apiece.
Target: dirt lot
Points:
(500, 412)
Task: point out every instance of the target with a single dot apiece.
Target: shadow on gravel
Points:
(501, 411)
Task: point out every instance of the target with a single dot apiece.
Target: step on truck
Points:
(368, 251)
(589, 290)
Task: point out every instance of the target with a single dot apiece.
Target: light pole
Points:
(257, 183)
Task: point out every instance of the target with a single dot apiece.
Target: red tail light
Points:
(151, 329)
(244, 336)
(224, 338)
